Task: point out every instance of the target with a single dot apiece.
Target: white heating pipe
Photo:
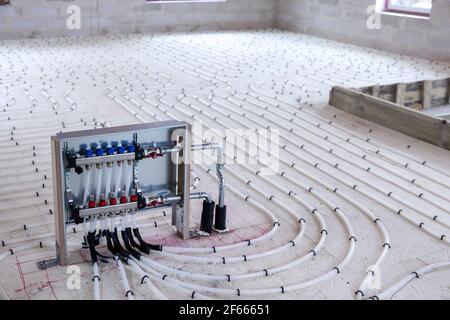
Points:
(146, 279)
(345, 261)
(158, 277)
(129, 294)
(95, 276)
(96, 279)
(315, 165)
(336, 146)
(416, 274)
(302, 137)
(384, 151)
(386, 248)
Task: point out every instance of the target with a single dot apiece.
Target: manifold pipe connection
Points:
(207, 219)
(201, 196)
(219, 167)
(220, 224)
(171, 199)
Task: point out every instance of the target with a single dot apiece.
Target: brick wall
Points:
(47, 18)
(345, 20)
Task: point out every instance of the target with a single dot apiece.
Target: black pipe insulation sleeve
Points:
(97, 237)
(119, 250)
(153, 247)
(128, 246)
(142, 247)
(109, 241)
(91, 243)
(206, 223)
(221, 218)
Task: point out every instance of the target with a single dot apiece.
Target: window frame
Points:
(388, 7)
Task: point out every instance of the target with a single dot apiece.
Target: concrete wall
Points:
(345, 20)
(47, 18)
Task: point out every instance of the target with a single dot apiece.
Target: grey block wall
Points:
(47, 18)
(345, 20)
(341, 20)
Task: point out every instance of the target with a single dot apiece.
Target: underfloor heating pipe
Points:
(156, 276)
(305, 148)
(385, 250)
(370, 141)
(96, 280)
(315, 165)
(200, 70)
(129, 294)
(95, 271)
(336, 270)
(364, 156)
(146, 280)
(414, 275)
(271, 290)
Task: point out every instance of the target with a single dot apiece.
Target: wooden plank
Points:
(400, 95)
(393, 116)
(427, 94)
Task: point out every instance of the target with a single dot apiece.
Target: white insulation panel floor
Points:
(355, 211)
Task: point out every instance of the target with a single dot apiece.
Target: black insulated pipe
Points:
(143, 243)
(109, 241)
(206, 224)
(142, 248)
(128, 246)
(118, 249)
(91, 242)
(221, 219)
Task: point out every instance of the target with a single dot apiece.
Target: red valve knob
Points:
(112, 199)
(133, 197)
(102, 202)
(123, 198)
(91, 203)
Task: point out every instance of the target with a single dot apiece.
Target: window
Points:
(414, 7)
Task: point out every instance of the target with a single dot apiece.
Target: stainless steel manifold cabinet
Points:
(126, 170)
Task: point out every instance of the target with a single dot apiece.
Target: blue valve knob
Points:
(100, 152)
(120, 150)
(125, 143)
(131, 148)
(88, 153)
(110, 151)
(83, 148)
